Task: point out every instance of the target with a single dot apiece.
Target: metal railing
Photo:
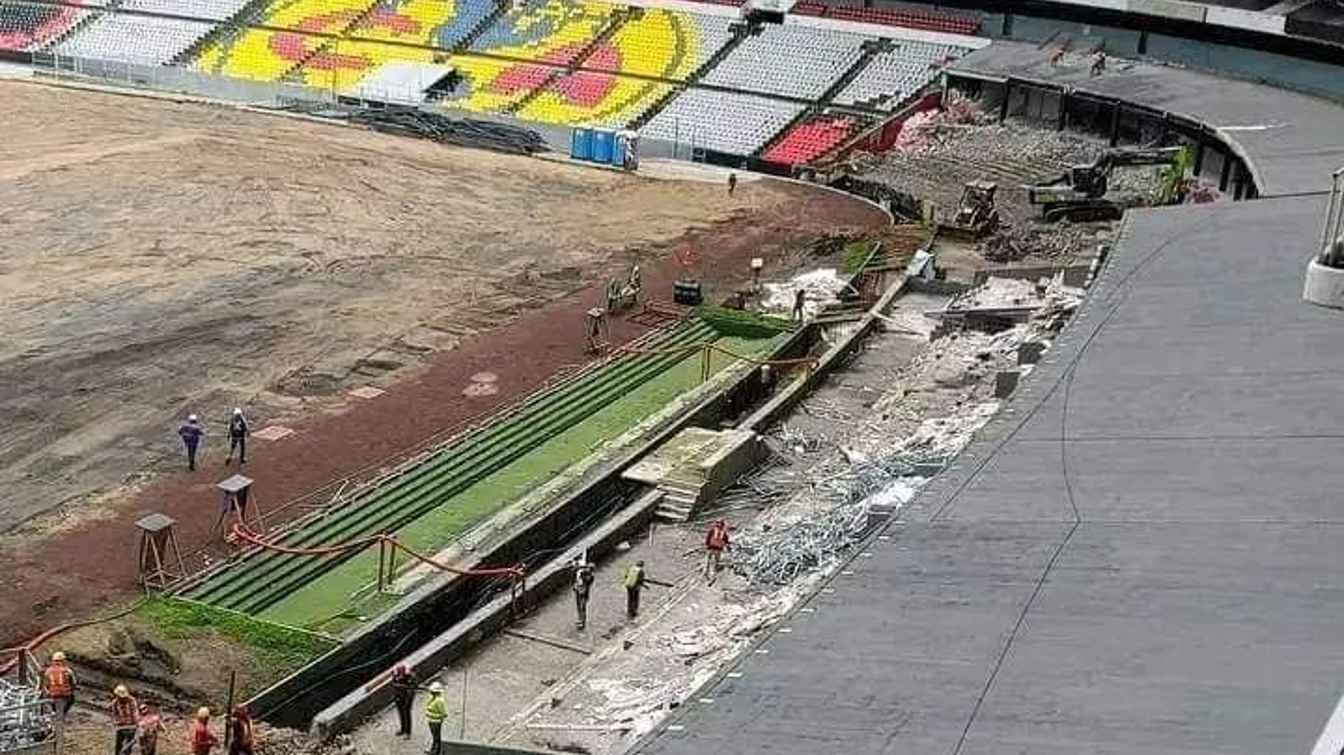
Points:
(29, 723)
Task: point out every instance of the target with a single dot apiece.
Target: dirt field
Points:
(162, 258)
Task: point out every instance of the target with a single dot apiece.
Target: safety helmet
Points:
(121, 691)
(436, 688)
(203, 714)
(58, 656)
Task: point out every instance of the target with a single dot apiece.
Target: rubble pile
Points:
(821, 287)
(1060, 241)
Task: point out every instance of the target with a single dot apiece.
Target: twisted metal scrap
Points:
(24, 719)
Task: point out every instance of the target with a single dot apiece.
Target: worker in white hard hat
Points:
(237, 436)
(436, 710)
(125, 720)
(59, 683)
(191, 432)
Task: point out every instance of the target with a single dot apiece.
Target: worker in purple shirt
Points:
(191, 433)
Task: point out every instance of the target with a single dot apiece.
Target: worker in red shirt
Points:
(202, 739)
(151, 725)
(716, 542)
(125, 719)
(58, 682)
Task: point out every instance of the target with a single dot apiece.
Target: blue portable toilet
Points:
(581, 146)
(604, 143)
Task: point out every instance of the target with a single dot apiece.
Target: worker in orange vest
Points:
(716, 542)
(58, 682)
(202, 739)
(125, 719)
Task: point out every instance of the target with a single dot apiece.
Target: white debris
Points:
(821, 287)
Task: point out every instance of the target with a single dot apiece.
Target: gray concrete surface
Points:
(1292, 140)
(1140, 555)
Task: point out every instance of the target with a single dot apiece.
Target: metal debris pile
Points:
(840, 499)
(463, 132)
(25, 720)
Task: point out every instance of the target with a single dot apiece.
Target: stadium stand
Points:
(892, 76)
(27, 26)
(389, 32)
(552, 31)
(792, 61)
(724, 122)
(268, 54)
(910, 16)
(493, 85)
(593, 99)
(662, 44)
(812, 138)
(213, 10)
(146, 40)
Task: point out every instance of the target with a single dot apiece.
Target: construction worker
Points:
(59, 683)
(799, 299)
(242, 740)
(1099, 63)
(634, 582)
(125, 720)
(403, 687)
(237, 436)
(716, 542)
(191, 432)
(151, 725)
(583, 587)
(732, 183)
(202, 739)
(436, 710)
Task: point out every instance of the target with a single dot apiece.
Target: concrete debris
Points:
(821, 286)
(778, 556)
(999, 292)
(1060, 241)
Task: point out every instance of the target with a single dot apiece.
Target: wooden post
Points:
(228, 708)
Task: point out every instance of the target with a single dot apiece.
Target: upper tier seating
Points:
(553, 31)
(144, 40)
(794, 61)
(733, 123)
(28, 26)
(216, 10)
(891, 77)
(662, 44)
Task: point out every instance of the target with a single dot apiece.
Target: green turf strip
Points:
(320, 599)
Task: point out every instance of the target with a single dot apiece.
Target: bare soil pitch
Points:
(159, 258)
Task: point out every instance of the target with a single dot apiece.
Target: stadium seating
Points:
(27, 26)
(412, 24)
(266, 54)
(553, 31)
(891, 77)
(593, 99)
(733, 123)
(660, 43)
(144, 40)
(214, 10)
(811, 139)
(793, 61)
(493, 85)
(910, 16)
